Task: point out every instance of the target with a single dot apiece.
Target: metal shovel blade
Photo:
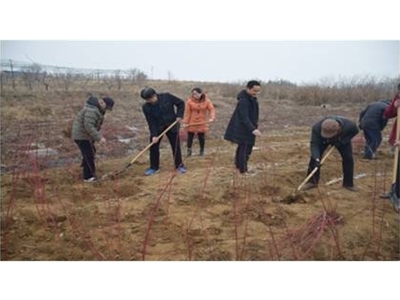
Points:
(116, 174)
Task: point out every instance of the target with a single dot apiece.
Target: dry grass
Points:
(210, 213)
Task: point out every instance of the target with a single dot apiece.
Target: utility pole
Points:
(12, 74)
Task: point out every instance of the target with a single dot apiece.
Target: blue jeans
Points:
(373, 139)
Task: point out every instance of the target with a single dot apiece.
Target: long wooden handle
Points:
(315, 169)
(396, 153)
(152, 143)
(195, 124)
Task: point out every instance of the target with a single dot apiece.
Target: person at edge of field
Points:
(338, 132)
(372, 121)
(391, 112)
(86, 131)
(161, 110)
(243, 125)
(198, 109)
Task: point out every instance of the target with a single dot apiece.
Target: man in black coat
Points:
(336, 131)
(372, 121)
(160, 113)
(243, 126)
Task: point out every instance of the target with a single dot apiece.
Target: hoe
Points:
(118, 173)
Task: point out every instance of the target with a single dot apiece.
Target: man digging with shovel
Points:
(338, 132)
(160, 113)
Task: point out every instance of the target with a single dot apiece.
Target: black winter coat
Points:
(372, 116)
(243, 121)
(348, 131)
(162, 114)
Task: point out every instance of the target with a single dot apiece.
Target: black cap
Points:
(109, 103)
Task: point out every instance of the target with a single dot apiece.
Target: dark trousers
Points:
(397, 183)
(243, 152)
(346, 153)
(174, 141)
(200, 136)
(373, 139)
(88, 152)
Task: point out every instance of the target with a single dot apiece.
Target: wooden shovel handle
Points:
(396, 152)
(315, 169)
(152, 143)
(195, 124)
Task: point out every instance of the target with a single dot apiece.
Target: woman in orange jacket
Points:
(198, 109)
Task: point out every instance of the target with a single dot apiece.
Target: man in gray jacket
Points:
(86, 131)
(372, 122)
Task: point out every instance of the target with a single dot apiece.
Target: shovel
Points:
(116, 174)
(195, 124)
(295, 197)
(392, 194)
(315, 169)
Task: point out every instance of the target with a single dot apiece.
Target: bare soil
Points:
(209, 213)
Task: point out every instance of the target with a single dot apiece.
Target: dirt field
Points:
(209, 213)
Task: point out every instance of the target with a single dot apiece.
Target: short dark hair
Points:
(147, 93)
(253, 83)
(197, 90)
(109, 102)
(398, 87)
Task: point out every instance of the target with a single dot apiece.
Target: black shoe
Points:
(201, 153)
(189, 152)
(351, 188)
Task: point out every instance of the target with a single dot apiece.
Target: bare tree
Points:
(137, 76)
(45, 81)
(118, 79)
(65, 79)
(83, 79)
(170, 76)
(108, 81)
(12, 74)
(31, 74)
(141, 77)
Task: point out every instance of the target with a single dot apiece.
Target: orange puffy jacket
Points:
(196, 112)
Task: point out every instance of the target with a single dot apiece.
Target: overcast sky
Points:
(295, 57)
(225, 61)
